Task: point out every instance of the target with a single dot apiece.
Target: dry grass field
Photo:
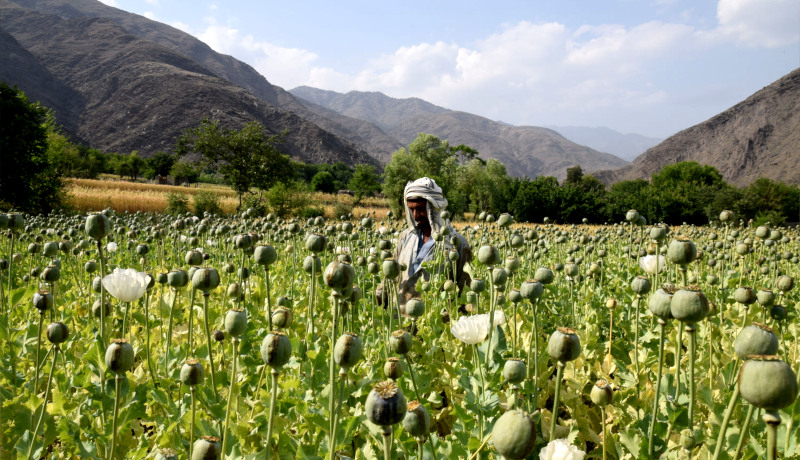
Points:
(94, 195)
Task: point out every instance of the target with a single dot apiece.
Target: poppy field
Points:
(142, 335)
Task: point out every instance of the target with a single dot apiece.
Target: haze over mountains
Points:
(121, 82)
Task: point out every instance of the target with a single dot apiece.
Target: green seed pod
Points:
(601, 393)
(499, 277)
(489, 255)
(390, 268)
(348, 350)
(235, 322)
(265, 255)
(452, 256)
(564, 345)
(415, 308)
(658, 233)
(640, 285)
(785, 283)
(276, 349)
(544, 275)
(531, 289)
(400, 342)
(688, 440)
(393, 368)
(632, 216)
(778, 312)
(514, 434)
(385, 405)
(515, 296)
(517, 240)
(765, 298)
(282, 317)
(681, 251)
(192, 372)
(90, 266)
(167, 454)
(205, 279)
(177, 279)
(96, 308)
(193, 258)
(50, 249)
(206, 448)
(505, 220)
(689, 305)
(57, 332)
(514, 371)
(659, 303)
(755, 339)
(50, 274)
(417, 421)
(243, 241)
(97, 226)
(511, 264)
(725, 216)
(315, 243)
(571, 270)
(43, 301)
(767, 382)
(477, 285)
(339, 276)
(119, 356)
(312, 263)
(744, 295)
(762, 232)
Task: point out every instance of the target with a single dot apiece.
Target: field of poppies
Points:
(129, 336)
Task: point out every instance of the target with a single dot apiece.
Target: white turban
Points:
(426, 188)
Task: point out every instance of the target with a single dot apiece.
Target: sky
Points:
(650, 67)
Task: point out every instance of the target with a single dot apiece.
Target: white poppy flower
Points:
(653, 264)
(561, 449)
(474, 329)
(111, 247)
(126, 285)
(382, 230)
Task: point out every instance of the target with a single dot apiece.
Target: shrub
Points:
(255, 202)
(342, 208)
(206, 202)
(177, 203)
(286, 200)
(309, 212)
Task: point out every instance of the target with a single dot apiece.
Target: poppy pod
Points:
(514, 370)
(193, 258)
(765, 298)
(755, 339)
(57, 332)
(390, 268)
(660, 301)
(97, 226)
(505, 220)
(243, 241)
(400, 342)
(544, 275)
(205, 279)
(640, 285)
(514, 434)
(282, 317)
(417, 421)
(767, 382)
(689, 305)
(206, 448)
(315, 243)
(564, 345)
(119, 356)
(785, 283)
(167, 454)
(681, 251)
(192, 372)
(339, 276)
(43, 301)
(477, 285)
(488, 255)
(632, 216)
(415, 308)
(348, 350)
(312, 263)
(744, 295)
(393, 368)
(265, 255)
(276, 349)
(177, 279)
(601, 393)
(386, 404)
(531, 289)
(499, 277)
(235, 322)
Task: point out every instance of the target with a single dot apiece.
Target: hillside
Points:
(120, 92)
(626, 146)
(758, 137)
(525, 150)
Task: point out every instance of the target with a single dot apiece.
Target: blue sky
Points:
(651, 67)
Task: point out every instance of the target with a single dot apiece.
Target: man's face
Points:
(419, 211)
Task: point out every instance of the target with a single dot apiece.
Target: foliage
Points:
(246, 157)
(206, 202)
(287, 199)
(365, 181)
(29, 178)
(159, 164)
(311, 211)
(184, 171)
(177, 204)
(342, 208)
(341, 172)
(323, 181)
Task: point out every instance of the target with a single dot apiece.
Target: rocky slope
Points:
(758, 137)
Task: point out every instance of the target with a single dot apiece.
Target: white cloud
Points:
(150, 15)
(110, 3)
(766, 23)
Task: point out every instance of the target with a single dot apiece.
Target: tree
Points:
(536, 199)
(365, 181)
(574, 175)
(183, 170)
(29, 179)
(246, 158)
(159, 164)
(323, 181)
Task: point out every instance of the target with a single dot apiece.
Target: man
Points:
(428, 235)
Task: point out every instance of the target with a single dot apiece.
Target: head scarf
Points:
(426, 188)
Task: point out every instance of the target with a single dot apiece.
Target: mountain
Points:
(525, 150)
(121, 91)
(758, 137)
(625, 146)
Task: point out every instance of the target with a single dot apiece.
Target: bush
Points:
(206, 202)
(256, 203)
(287, 200)
(342, 208)
(310, 212)
(177, 203)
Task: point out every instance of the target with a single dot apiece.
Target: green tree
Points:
(536, 199)
(159, 164)
(574, 175)
(767, 197)
(365, 181)
(400, 169)
(323, 181)
(183, 170)
(29, 179)
(246, 158)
